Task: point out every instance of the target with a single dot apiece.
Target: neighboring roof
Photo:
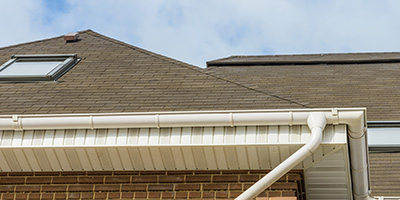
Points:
(368, 80)
(116, 77)
(385, 179)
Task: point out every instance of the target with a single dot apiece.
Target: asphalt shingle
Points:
(116, 77)
(322, 81)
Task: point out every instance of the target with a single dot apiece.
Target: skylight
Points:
(37, 67)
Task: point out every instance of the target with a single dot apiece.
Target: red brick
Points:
(7, 188)
(262, 194)
(215, 186)
(21, 173)
(20, 196)
(100, 195)
(284, 186)
(225, 178)
(249, 178)
(38, 180)
(235, 186)
(198, 178)
(107, 188)
(154, 194)
(46, 196)
(80, 188)
(178, 172)
(127, 195)
(12, 180)
(54, 188)
(194, 195)
(114, 195)
(161, 187)
(208, 194)
(7, 196)
(118, 179)
(181, 195)
(288, 193)
(246, 186)
(222, 194)
(87, 195)
(263, 172)
(190, 186)
(167, 195)
(27, 188)
(60, 196)
(144, 179)
(69, 180)
(171, 179)
(34, 196)
(91, 179)
(140, 194)
(282, 179)
(234, 194)
(274, 193)
(293, 177)
(47, 173)
(134, 188)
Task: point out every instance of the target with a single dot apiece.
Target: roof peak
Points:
(307, 59)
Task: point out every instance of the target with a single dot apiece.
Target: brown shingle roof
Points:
(384, 172)
(116, 77)
(334, 80)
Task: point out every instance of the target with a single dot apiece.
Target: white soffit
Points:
(244, 147)
(329, 177)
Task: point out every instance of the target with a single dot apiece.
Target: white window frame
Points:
(384, 126)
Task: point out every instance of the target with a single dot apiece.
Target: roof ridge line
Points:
(42, 40)
(188, 66)
(306, 59)
(163, 57)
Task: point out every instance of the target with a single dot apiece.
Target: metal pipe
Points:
(316, 123)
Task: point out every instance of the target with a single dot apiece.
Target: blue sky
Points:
(199, 31)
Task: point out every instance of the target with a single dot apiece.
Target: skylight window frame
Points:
(68, 61)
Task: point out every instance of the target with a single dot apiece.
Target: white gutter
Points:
(353, 118)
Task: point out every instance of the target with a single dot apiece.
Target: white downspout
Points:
(358, 155)
(316, 122)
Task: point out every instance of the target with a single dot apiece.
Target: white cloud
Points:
(18, 21)
(198, 31)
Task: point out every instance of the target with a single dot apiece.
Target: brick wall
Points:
(143, 185)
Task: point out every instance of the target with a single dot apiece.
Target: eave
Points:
(186, 141)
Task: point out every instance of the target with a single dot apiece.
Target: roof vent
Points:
(71, 37)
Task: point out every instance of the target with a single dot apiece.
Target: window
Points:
(384, 136)
(37, 67)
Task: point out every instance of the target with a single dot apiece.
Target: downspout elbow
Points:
(316, 123)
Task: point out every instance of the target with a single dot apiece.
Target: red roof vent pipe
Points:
(71, 37)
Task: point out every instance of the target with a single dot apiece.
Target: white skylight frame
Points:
(67, 61)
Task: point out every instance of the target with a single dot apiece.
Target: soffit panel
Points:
(252, 147)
